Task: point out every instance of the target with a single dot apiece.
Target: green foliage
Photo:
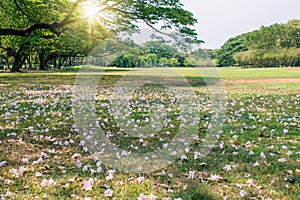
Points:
(225, 54)
(275, 45)
(152, 53)
(60, 29)
(158, 53)
(273, 58)
(160, 48)
(155, 53)
(173, 62)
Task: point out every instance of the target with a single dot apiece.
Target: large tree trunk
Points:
(54, 63)
(43, 62)
(17, 64)
(19, 59)
(7, 62)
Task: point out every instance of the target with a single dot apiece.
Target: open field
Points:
(255, 156)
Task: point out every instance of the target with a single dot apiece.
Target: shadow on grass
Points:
(196, 191)
(203, 81)
(49, 79)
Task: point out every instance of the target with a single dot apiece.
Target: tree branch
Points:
(157, 30)
(26, 31)
(69, 15)
(22, 11)
(41, 25)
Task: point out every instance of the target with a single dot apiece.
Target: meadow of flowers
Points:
(45, 155)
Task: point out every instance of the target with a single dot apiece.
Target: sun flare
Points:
(90, 9)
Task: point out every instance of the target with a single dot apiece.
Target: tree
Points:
(17, 48)
(18, 14)
(152, 59)
(163, 61)
(190, 61)
(173, 62)
(232, 46)
(275, 45)
(28, 18)
(160, 48)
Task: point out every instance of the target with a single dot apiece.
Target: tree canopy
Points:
(275, 45)
(57, 28)
(23, 17)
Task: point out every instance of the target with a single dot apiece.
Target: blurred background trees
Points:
(277, 45)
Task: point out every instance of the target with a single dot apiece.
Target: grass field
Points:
(255, 156)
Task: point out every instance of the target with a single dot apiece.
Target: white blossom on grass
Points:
(256, 164)
(78, 164)
(2, 163)
(141, 179)
(227, 168)
(243, 193)
(110, 175)
(142, 197)
(25, 160)
(191, 175)
(215, 177)
(99, 169)
(46, 183)
(108, 192)
(262, 155)
(85, 168)
(76, 155)
(38, 174)
(282, 160)
(88, 184)
(183, 157)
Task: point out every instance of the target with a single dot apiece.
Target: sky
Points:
(218, 20)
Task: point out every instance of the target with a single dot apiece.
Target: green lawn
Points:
(225, 73)
(256, 156)
(260, 73)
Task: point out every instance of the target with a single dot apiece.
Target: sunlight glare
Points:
(91, 8)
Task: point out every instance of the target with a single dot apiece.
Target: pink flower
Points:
(214, 177)
(243, 193)
(191, 174)
(255, 164)
(46, 182)
(88, 185)
(2, 163)
(78, 164)
(227, 168)
(282, 160)
(140, 179)
(142, 197)
(108, 193)
(262, 155)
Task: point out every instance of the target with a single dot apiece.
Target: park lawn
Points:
(256, 157)
(252, 73)
(224, 73)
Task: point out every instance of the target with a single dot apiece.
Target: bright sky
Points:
(218, 20)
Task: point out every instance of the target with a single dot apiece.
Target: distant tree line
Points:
(277, 45)
(154, 53)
